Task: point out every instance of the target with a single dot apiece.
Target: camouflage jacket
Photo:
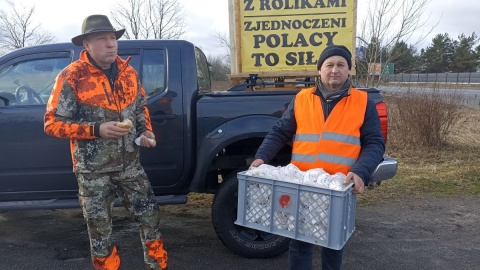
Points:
(82, 99)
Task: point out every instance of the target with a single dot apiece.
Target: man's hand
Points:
(109, 130)
(147, 139)
(358, 185)
(257, 162)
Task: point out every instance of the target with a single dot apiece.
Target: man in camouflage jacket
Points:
(89, 98)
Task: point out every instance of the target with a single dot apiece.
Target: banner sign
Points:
(289, 35)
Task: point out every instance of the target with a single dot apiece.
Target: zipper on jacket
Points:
(106, 93)
(119, 110)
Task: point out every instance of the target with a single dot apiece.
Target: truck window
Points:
(30, 82)
(203, 73)
(153, 72)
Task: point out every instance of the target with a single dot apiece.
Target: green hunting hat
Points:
(96, 24)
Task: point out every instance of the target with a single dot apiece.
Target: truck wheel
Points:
(241, 240)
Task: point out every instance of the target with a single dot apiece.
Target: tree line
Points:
(443, 54)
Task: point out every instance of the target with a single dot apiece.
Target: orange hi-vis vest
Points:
(332, 144)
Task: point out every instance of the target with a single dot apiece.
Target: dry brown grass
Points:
(467, 131)
(198, 204)
(451, 170)
(422, 117)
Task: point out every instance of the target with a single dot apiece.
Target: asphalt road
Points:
(409, 234)
(470, 97)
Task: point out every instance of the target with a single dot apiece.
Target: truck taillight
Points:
(382, 113)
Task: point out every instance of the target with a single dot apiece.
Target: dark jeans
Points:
(300, 257)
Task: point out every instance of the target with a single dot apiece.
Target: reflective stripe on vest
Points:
(337, 159)
(331, 136)
(304, 158)
(332, 144)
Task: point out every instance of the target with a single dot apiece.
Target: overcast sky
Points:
(206, 17)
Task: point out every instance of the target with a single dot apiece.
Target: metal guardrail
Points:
(461, 78)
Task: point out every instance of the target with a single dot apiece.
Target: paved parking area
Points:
(433, 233)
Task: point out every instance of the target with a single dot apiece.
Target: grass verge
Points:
(452, 170)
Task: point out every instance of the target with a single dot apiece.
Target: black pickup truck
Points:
(204, 137)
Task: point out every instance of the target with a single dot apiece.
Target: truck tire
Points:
(244, 241)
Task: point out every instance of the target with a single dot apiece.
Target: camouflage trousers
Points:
(97, 194)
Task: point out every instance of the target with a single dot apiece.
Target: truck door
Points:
(31, 161)
(164, 163)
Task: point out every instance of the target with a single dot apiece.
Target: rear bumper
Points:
(387, 169)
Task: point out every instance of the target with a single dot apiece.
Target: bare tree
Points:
(17, 29)
(219, 69)
(223, 41)
(388, 23)
(150, 19)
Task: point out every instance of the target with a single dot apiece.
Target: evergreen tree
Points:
(465, 58)
(437, 57)
(477, 51)
(404, 58)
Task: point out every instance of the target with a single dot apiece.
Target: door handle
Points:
(163, 117)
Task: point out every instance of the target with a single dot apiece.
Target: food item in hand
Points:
(126, 124)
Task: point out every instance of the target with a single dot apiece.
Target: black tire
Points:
(241, 240)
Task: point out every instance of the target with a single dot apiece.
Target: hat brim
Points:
(78, 40)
